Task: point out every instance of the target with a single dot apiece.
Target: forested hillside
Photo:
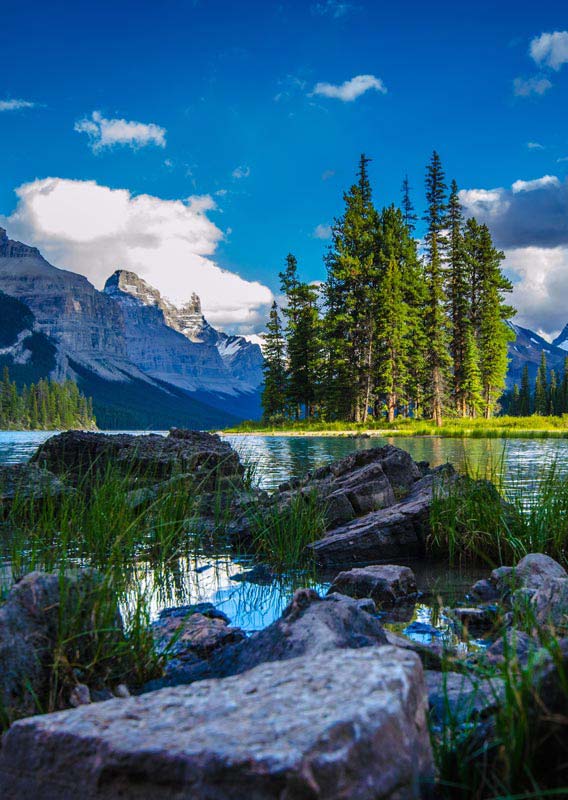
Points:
(43, 406)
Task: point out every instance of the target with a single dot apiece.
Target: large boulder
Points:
(28, 483)
(385, 584)
(550, 604)
(151, 457)
(362, 482)
(323, 727)
(399, 530)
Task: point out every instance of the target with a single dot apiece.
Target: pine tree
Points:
(493, 334)
(563, 401)
(515, 401)
(525, 404)
(457, 292)
(552, 394)
(437, 324)
(350, 295)
(471, 387)
(392, 342)
(408, 213)
(541, 388)
(274, 390)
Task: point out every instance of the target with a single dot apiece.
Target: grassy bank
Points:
(497, 427)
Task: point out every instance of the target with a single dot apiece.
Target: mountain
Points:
(527, 348)
(145, 362)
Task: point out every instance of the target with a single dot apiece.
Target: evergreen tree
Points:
(552, 394)
(471, 387)
(563, 401)
(541, 388)
(408, 213)
(392, 339)
(494, 334)
(274, 390)
(515, 401)
(437, 323)
(351, 297)
(458, 299)
(525, 400)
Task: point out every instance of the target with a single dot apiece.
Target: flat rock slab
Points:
(340, 725)
(384, 583)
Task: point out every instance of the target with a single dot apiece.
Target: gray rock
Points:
(193, 635)
(339, 725)
(550, 604)
(387, 583)
(475, 620)
(536, 569)
(30, 483)
(532, 573)
(397, 531)
(150, 457)
(431, 654)
(457, 698)
(515, 646)
(29, 625)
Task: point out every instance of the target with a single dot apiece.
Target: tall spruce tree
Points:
(408, 212)
(541, 388)
(351, 296)
(470, 386)
(525, 400)
(437, 323)
(274, 394)
(563, 402)
(392, 342)
(494, 334)
(459, 308)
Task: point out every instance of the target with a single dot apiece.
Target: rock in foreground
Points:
(339, 725)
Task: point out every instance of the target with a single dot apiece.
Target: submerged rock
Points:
(327, 727)
(386, 583)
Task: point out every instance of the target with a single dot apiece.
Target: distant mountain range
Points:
(146, 363)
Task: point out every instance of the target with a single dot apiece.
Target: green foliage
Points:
(46, 405)
(274, 390)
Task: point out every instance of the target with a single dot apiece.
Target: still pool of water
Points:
(276, 458)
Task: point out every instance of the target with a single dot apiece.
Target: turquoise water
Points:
(276, 458)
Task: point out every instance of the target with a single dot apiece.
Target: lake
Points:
(209, 578)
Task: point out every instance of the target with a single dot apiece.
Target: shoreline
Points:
(490, 433)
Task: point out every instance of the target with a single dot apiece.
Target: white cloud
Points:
(538, 183)
(526, 87)
(550, 49)
(535, 146)
(540, 291)
(15, 105)
(111, 132)
(322, 232)
(94, 230)
(352, 89)
(240, 172)
(484, 202)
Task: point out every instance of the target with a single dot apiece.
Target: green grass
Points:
(499, 520)
(497, 427)
(515, 753)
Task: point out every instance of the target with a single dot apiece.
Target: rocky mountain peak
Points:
(11, 249)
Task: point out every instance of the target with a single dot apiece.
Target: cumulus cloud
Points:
(322, 232)
(529, 221)
(526, 87)
(240, 172)
(550, 49)
(352, 89)
(94, 230)
(15, 105)
(105, 133)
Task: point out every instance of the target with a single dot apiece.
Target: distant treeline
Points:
(399, 327)
(46, 405)
(548, 397)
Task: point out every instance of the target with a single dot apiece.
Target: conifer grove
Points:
(400, 326)
(43, 406)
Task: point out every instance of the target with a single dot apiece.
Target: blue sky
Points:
(230, 111)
